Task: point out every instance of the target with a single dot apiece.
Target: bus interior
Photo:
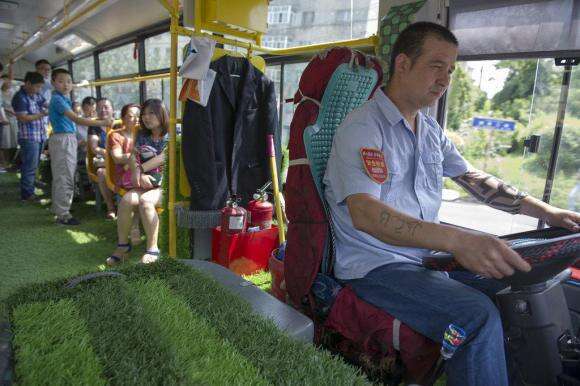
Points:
(512, 109)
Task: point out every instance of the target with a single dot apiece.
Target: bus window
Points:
(159, 88)
(83, 69)
(80, 93)
(484, 95)
(118, 61)
(292, 73)
(300, 22)
(273, 72)
(158, 51)
(566, 190)
(121, 94)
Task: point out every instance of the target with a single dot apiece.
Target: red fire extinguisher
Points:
(261, 210)
(234, 217)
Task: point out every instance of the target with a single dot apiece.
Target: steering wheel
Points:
(549, 251)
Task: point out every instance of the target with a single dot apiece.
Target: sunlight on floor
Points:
(81, 237)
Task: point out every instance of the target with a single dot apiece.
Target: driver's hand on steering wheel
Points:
(487, 255)
(563, 218)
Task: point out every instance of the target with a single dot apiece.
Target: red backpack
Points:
(356, 329)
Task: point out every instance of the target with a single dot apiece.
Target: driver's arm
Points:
(387, 224)
(480, 253)
(491, 191)
(499, 195)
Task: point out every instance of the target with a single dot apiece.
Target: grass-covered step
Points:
(201, 351)
(54, 345)
(165, 323)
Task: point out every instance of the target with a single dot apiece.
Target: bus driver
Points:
(383, 186)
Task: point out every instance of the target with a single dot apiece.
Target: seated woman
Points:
(146, 162)
(120, 147)
(96, 141)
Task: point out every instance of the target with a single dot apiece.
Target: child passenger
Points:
(146, 163)
(62, 145)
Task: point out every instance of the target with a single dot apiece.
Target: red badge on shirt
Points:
(374, 164)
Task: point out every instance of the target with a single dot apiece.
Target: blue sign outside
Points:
(493, 124)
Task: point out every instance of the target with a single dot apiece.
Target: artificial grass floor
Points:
(163, 323)
(34, 248)
(130, 333)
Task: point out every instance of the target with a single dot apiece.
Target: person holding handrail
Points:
(62, 145)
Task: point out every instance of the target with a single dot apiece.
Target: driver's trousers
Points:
(429, 301)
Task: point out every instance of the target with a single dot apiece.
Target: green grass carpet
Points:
(261, 279)
(161, 326)
(53, 344)
(166, 324)
(35, 249)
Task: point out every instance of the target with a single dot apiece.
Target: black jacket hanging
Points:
(224, 143)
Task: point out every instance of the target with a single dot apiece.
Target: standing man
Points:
(386, 216)
(29, 107)
(44, 68)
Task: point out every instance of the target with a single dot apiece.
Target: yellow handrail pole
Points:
(137, 78)
(172, 183)
(271, 153)
(197, 16)
(353, 43)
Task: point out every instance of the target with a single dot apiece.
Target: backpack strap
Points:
(397, 334)
(299, 161)
(304, 98)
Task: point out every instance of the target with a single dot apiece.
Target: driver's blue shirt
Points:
(416, 167)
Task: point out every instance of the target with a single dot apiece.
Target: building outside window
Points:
(321, 21)
(308, 18)
(275, 41)
(279, 14)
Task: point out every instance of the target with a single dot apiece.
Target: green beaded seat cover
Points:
(349, 87)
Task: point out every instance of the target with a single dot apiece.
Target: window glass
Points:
(119, 61)
(79, 93)
(279, 14)
(484, 95)
(309, 22)
(159, 88)
(158, 51)
(84, 69)
(275, 41)
(121, 94)
(292, 73)
(566, 189)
